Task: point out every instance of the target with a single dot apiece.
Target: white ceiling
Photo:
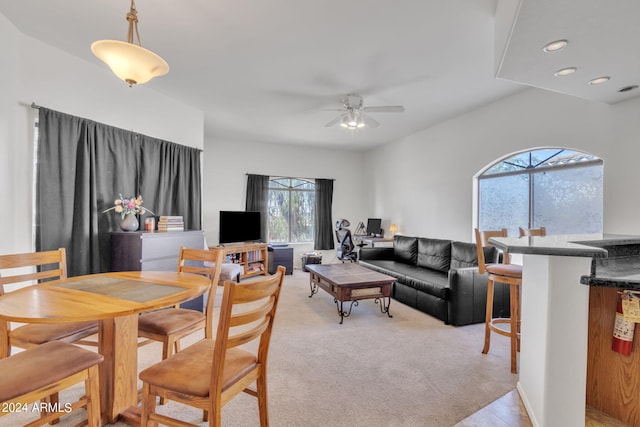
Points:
(265, 70)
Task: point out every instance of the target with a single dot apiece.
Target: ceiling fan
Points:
(353, 116)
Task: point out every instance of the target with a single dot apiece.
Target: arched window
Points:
(556, 188)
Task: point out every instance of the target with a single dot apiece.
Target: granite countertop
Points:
(616, 257)
(619, 272)
(581, 245)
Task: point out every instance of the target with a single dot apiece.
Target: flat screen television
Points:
(239, 226)
(374, 226)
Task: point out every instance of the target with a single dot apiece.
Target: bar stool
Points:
(511, 275)
(532, 231)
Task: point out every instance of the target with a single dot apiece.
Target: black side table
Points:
(280, 255)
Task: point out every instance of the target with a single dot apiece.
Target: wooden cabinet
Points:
(251, 256)
(149, 250)
(613, 380)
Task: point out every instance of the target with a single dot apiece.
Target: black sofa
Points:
(439, 277)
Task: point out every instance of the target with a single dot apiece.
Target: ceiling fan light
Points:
(131, 63)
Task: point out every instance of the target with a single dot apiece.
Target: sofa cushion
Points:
(434, 254)
(465, 255)
(390, 268)
(405, 249)
(422, 279)
(428, 281)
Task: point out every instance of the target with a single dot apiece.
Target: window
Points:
(291, 210)
(556, 188)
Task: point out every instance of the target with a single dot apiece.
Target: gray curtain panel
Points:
(83, 165)
(258, 200)
(323, 222)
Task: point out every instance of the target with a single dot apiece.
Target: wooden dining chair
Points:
(33, 375)
(510, 274)
(170, 325)
(13, 271)
(209, 373)
(532, 231)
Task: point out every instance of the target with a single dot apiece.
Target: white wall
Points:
(14, 218)
(424, 182)
(225, 181)
(32, 71)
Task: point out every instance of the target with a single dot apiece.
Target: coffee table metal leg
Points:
(341, 311)
(313, 286)
(384, 308)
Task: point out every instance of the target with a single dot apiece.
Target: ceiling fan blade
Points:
(369, 122)
(385, 109)
(333, 122)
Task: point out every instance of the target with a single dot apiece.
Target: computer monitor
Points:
(374, 226)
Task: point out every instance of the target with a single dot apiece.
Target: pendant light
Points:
(130, 62)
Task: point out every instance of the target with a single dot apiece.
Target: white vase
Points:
(129, 223)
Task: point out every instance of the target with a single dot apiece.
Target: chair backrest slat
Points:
(251, 316)
(482, 240)
(31, 277)
(207, 262)
(532, 231)
(241, 324)
(248, 335)
(56, 259)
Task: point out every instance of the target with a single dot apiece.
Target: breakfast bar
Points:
(569, 295)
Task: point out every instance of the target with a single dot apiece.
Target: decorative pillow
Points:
(434, 254)
(405, 249)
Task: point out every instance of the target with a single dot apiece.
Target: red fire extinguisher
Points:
(622, 331)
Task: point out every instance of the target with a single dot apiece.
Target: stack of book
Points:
(171, 223)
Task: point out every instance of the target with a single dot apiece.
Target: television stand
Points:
(251, 256)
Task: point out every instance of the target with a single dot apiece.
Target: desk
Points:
(115, 299)
(373, 240)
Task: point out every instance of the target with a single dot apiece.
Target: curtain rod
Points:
(291, 177)
(37, 107)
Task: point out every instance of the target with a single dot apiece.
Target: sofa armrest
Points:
(468, 297)
(384, 253)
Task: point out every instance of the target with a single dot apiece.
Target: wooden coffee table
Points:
(351, 282)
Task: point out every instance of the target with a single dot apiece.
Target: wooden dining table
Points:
(115, 300)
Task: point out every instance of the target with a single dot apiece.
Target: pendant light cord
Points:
(132, 17)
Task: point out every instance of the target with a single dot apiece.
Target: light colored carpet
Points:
(409, 370)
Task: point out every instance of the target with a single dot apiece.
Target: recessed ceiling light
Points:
(565, 71)
(555, 46)
(628, 88)
(598, 80)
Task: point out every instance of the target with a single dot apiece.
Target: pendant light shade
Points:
(130, 62)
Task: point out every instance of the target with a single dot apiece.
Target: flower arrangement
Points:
(128, 205)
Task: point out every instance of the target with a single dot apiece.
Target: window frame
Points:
(290, 188)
